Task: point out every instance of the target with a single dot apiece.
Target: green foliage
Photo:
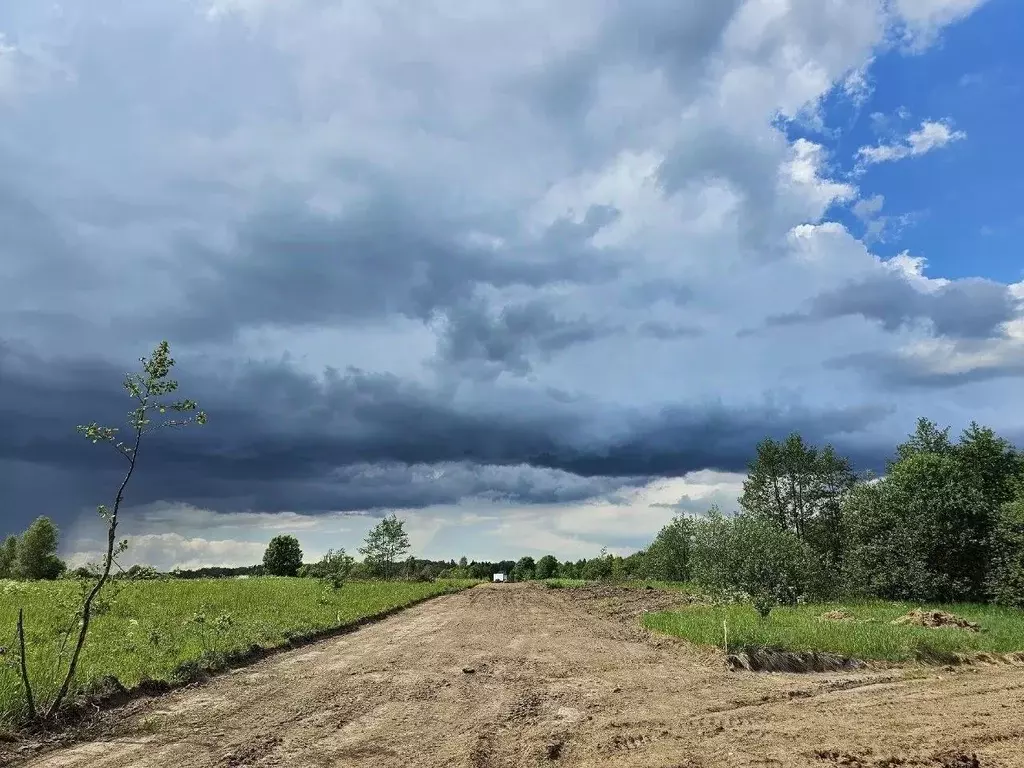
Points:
(751, 555)
(524, 570)
(926, 438)
(333, 569)
(8, 557)
(385, 545)
(599, 568)
(283, 556)
(140, 573)
(927, 529)
(37, 551)
(669, 556)
(1007, 579)
(547, 567)
(799, 488)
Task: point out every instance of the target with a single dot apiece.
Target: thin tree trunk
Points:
(30, 701)
(87, 605)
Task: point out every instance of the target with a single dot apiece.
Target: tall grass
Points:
(151, 629)
(872, 637)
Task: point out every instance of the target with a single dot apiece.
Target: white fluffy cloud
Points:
(933, 134)
(924, 19)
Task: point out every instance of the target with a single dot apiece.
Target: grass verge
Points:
(870, 636)
(167, 631)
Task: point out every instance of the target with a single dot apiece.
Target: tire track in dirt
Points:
(518, 675)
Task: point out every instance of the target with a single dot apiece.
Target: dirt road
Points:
(518, 675)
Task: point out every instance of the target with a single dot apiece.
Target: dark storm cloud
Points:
(970, 308)
(292, 267)
(509, 340)
(280, 440)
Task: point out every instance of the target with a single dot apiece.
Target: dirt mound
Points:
(937, 620)
(771, 660)
(839, 615)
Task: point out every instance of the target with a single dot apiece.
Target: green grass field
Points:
(150, 629)
(871, 638)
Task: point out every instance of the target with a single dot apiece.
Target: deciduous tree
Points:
(799, 488)
(37, 551)
(8, 557)
(385, 545)
(283, 556)
(547, 567)
(148, 391)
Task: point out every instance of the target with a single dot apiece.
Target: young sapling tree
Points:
(154, 410)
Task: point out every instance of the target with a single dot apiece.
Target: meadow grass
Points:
(873, 637)
(154, 629)
(565, 583)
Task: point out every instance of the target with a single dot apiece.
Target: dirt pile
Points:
(937, 620)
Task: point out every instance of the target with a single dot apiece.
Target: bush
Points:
(751, 555)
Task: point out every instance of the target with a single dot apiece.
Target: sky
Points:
(536, 276)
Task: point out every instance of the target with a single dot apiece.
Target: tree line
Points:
(943, 523)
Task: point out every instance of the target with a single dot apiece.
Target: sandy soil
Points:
(519, 675)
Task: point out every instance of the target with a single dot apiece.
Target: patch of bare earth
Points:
(937, 620)
(519, 675)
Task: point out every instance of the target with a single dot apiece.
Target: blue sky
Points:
(536, 293)
(973, 226)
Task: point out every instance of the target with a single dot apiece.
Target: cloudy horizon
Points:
(536, 276)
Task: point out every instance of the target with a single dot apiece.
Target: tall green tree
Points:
(926, 438)
(992, 461)
(800, 489)
(283, 556)
(9, 557)
(525, 569)
(922, 532)
(547, 567)
(385, 545)
(930, 528)
(37, 551)
(668, 557)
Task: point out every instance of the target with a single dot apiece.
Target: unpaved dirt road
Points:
(519, 675)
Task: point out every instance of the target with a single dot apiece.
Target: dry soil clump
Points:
(937, 620)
